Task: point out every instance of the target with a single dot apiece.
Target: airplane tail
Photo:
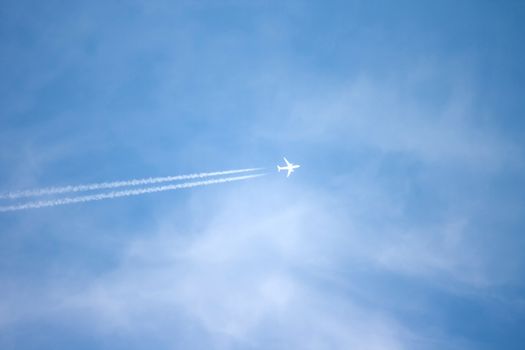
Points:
(279, 168)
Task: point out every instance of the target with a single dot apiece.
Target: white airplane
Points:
(289, 167)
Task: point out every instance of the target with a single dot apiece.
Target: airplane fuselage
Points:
(290, 168)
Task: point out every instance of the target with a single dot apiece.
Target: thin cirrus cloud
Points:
(240, 281)
(401, 231)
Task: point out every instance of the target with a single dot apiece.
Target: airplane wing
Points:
(289, 172)
(287, 162)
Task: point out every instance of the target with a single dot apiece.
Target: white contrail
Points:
(117, 194)
(106, 185)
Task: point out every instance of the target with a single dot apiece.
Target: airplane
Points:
(289, 167)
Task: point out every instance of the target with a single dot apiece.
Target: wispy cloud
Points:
(244, 278)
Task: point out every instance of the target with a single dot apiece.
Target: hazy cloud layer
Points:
(402, 229)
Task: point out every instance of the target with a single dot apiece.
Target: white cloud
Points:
(244, 278)
(275, 264)
(428, 111)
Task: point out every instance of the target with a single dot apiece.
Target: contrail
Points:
(106, 185)
(126, 193)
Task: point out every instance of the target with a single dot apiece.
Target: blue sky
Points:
(403, 229)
